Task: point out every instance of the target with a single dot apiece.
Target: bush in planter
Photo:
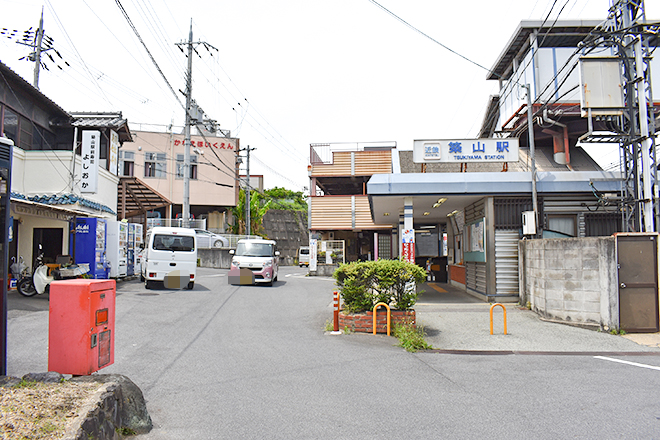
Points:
(363, 284)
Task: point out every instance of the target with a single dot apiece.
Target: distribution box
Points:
(81, 326)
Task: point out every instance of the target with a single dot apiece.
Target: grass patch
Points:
(411, 338)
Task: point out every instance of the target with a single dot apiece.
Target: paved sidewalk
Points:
(454, 320)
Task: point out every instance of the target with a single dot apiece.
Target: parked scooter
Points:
(39, 281)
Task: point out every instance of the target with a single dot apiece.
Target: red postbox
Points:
(81, 326)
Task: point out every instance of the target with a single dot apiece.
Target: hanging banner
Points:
(408, 245)
(89, 172)
(114, 151)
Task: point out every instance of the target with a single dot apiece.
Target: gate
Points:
(506, 262)
(637, 258)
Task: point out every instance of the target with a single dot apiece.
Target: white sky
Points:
(303, 71)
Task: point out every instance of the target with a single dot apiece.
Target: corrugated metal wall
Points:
(475, 276)
(506, 262)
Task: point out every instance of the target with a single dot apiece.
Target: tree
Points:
(285, 199)
(258, 208)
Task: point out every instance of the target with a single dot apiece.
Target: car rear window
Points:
(179, 243)
(304, 251)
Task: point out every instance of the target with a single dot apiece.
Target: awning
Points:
(136, 198)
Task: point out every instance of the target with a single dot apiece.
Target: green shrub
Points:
(410, 337)
(363, 284)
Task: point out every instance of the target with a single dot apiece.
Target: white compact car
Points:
(208, 239)
(257, 255)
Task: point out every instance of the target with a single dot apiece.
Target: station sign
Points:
(466, 150)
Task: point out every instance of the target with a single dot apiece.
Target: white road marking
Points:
(213, 276)
(634, 364)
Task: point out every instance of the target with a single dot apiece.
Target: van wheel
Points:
(148, 284)
(190, 285)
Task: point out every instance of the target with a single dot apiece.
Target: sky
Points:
(284, 74)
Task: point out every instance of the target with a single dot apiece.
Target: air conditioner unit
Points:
(529, 223)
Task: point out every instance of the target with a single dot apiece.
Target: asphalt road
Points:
(254, 362)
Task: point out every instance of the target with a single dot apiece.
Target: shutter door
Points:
(506, 262)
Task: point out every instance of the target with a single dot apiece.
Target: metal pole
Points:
(185, 212)
(247, 195)
(530, 132)
(647, 204)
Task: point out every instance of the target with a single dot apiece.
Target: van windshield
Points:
(254, 250)
(174, 243)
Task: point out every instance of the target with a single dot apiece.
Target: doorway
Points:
(51, 243)
(637, 258)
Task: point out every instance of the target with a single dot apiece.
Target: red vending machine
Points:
(81, 326)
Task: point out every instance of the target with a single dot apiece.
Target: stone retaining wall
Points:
(364, 322)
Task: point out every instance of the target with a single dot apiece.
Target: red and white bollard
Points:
(336, 311)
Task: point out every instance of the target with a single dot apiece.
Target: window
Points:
(43, 139)
(126, 163)
(155, 165)
(25, 140)
(562, 224)
(10, 125)
(179, 166)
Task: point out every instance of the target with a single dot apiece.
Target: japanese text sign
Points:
(89, 172)
(466, 150)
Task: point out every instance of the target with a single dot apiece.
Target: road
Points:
(254, 362)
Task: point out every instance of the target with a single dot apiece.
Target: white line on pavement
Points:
(635, 364)
(213, 276)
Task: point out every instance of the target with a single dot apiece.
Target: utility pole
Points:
(37, 52)
(185, 209)
(248, 190)
(532, 153)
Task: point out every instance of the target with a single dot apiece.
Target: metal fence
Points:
(176, 223)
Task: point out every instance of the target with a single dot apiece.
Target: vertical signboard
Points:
(89, 172)
(312, 254)
(114, 151)
(408, 245)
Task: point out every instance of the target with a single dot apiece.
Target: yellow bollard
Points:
(491, 317)
(388, 316)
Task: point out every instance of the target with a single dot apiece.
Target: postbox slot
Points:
(172, 264)
(101, 316)
(94, 340)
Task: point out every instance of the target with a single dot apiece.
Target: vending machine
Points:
(138, 246)
(130, 250)
(90, 246)
(117, 245)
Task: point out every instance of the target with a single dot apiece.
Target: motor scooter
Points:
(39, 281)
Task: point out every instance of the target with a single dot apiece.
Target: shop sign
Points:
(89, 172)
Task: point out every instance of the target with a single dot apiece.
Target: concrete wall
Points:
(289, 229)
(571, 279)
(217, 258)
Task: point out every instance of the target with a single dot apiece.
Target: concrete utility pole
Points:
(532, 153)
(185, 209)
(37, 52)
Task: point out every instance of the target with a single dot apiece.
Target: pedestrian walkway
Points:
(456, 321)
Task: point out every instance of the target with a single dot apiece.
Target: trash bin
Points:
(81, 326)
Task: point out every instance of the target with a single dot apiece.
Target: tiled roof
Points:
(64, 199)
(97, 119)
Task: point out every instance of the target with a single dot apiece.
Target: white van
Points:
(303, 256)
(257, 255)
(171, 257)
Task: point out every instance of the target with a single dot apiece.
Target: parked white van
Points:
(303, 256)
(257, 255)
(171, 257)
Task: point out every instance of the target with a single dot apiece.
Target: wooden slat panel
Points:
(367, 163)
(335, 213)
